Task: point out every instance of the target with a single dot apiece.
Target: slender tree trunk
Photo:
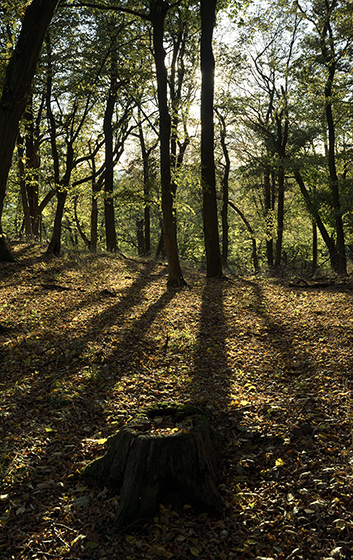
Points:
(208, 178)
(80, 230)
(23, 188)
(146, 190)
(94, 222)
(252, 234)
(109, 213)
(54, 246)
(314, 259)
(19, 75)
(32, 165)
(225, 192)
(158, 12)
(280, 217)
(341, 251)
(268, 218)
(282, 139)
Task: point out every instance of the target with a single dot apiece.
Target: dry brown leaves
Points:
(88, 340)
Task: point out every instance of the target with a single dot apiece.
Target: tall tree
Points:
(208, 176)
(19, 76)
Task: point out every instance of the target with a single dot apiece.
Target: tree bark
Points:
(225, 191)
(334, 186)
(54, 246)
(19, 75)
(208, 178)
(109, 213)
(146, 468)
(282, 139)
(158, 13)
(145, 154)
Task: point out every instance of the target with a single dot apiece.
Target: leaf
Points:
(194, 551)
(83, 501)
(279, 462)
(91, 545)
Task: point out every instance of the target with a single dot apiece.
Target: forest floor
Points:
(86, 341)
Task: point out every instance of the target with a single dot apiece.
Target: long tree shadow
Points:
(43, 409)
(210, 370)
(46, 393)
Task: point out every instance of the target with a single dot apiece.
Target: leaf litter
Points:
(269, 363)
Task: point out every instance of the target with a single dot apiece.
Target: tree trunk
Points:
(280, 218)
(32, 165)
(252, 233)
(157, 16)
(341, 250)
(225, 192)
(94, 218)
(314, 259)
(109, 213)
(282, 139)
(146, 188)
(23, 188)
(168, 452)
(208, 178)
(19, 75)
(269, 205)
(54, 246)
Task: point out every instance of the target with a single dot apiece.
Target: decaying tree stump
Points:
(167, 449)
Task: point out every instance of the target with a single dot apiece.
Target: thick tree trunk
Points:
(147, 463)
(19, 75)
(208, 178)
(158, 12)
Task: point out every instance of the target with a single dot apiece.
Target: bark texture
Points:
(147, 469)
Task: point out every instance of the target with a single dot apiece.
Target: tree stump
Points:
(166, 450)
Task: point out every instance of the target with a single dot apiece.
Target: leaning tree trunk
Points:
(330, 244)
(168, 451)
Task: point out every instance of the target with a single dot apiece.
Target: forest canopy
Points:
(148, 130)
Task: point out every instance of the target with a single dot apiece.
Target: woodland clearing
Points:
(87, 340)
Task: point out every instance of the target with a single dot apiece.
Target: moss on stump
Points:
(166, 450)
